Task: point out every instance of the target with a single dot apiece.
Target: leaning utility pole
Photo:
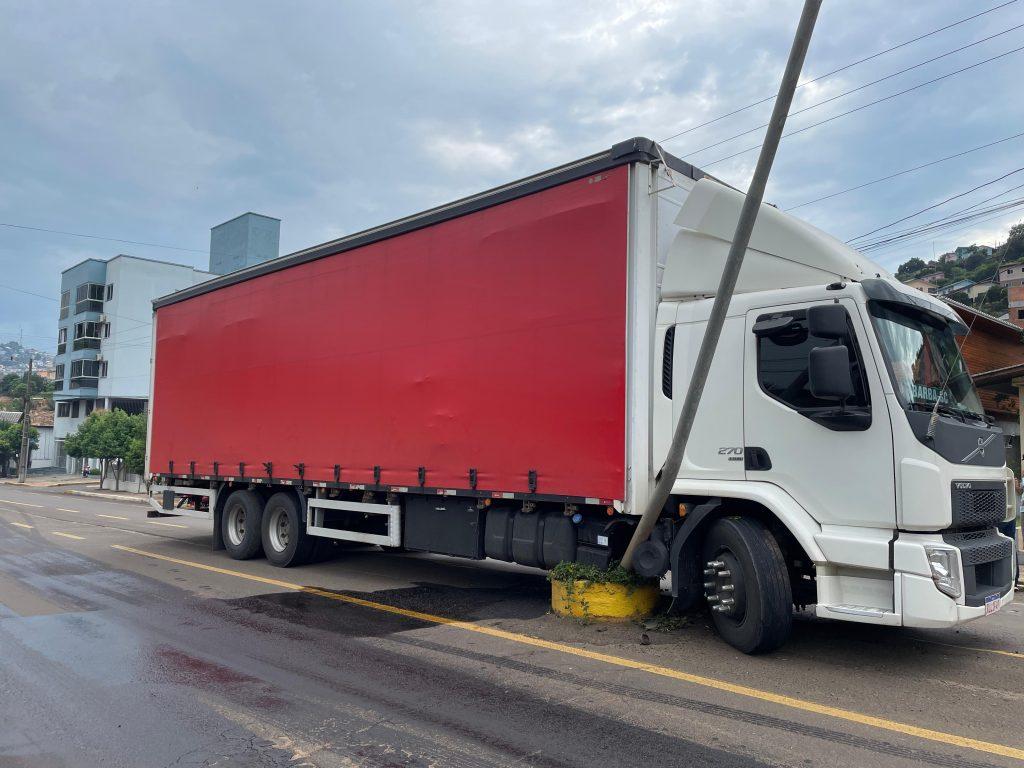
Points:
(727, 284)
(26, 411)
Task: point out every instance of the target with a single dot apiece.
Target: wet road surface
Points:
(126, 641)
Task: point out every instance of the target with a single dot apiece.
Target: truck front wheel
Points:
(285, 541)
(240, 525)
(747, 585)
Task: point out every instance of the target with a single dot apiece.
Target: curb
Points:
(108, 496)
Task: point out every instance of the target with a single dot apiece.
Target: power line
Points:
(829, 100)
(50, 298)
(936, 205)
(840, 69)
(905, 171)
(952, 215)
(943, 224)
(869, 104)
(100, 237)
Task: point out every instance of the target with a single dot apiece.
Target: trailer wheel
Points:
(285, 541)
(746, 583)
(240, 525)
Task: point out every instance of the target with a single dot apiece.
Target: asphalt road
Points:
(128, 642)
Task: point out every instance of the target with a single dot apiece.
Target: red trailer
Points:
(490, 351)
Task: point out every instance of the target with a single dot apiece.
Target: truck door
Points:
(834, 458)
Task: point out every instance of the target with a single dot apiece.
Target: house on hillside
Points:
(959, 285)
(932, 277)
(921, 284)
(966, 250)
(980, 288)
(1012, 274)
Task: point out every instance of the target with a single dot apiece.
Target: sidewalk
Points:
(51, 481)
(133, 498)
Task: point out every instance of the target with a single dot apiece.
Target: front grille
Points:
(977, 547)
(987, 560)
(979, 504)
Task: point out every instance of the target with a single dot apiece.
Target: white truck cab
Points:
(838, 412)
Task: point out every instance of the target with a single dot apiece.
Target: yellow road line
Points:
(21, 525)
(68, 535)
(64, 509)
(654, 669)
(21, 503)
(111, 517)
(169, 525)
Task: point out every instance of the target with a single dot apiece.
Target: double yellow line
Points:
(654, 669)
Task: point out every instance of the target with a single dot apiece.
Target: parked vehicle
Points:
(500, 377)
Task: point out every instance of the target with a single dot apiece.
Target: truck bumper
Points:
(925, 606)
(985, 578)
(906, 594)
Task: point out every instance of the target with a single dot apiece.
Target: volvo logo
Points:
(980, 450)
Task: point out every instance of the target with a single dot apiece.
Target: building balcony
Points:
(88, 305)
(86, 342)
(84, 382)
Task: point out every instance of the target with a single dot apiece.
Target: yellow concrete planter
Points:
(603, 602)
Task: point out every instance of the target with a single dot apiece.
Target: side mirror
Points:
(827, 321)
(828, 373)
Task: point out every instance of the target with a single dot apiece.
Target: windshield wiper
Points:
(929, 405)
(948, 410)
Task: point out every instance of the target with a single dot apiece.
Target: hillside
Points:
(978, 264)
(14, 358)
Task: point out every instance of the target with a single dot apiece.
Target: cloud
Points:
(156, 121)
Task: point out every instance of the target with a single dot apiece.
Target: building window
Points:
(84, 374)
(58, 372)
(62, 340)
(89, 298)
(110, 291)
(88, 335)
(106, 330)
(89, 406)
(63, 410)
(782, 360)
(74, 409)
(103, 369)
(1020, 314)
(65, 304)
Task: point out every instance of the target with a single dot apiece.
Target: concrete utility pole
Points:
(727, 284)
(25, 425)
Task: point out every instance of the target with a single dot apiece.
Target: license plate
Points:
(992, 604)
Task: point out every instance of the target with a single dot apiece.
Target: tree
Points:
(113, 437)
(960, 296)
(13, 384)
(10, 444)
(911, 267)
(1013, 248)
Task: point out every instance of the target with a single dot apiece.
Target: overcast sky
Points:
(153, 121)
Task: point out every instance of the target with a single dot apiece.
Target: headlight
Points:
(945, 567)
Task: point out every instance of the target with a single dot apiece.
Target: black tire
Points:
(285, 541)
(760, 618)
(240, 525)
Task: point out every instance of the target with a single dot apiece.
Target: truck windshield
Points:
(925, 361)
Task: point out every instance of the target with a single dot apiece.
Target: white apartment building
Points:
(104, 337)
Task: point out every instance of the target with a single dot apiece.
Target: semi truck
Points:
(500, 378)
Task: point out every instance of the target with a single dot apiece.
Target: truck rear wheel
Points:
(240, 525)
(285, 541)
(747, 585)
